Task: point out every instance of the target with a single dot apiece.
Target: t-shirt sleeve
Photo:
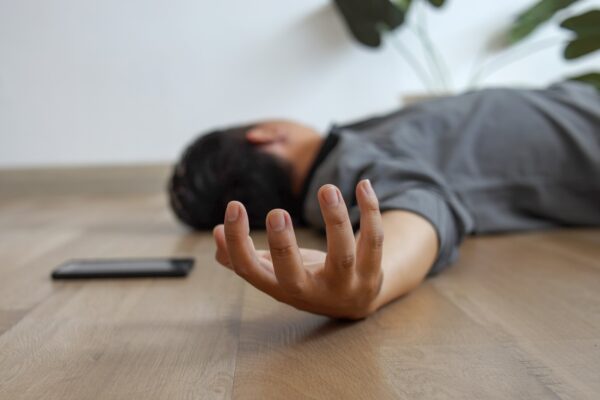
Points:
(401, 183)
(431, 205)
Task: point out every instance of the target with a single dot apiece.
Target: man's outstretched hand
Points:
(343, 283)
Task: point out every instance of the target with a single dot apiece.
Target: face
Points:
(285, 139)
(296, 144)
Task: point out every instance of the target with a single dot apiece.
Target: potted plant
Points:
(372, 21)
(584, 28)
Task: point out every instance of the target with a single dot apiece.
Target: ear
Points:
(262, 135)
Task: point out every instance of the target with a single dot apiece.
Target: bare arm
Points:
(354, 278)
(409, 250)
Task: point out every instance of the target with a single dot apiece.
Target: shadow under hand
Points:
(296, 354)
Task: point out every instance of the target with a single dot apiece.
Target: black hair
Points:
(222, 166)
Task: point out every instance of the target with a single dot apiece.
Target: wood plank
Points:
(107, 340)
(536, 301)
(118, 339)
(446, 340)
(517, 317)
(83, 179)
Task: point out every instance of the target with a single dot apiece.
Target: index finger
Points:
(242, 254)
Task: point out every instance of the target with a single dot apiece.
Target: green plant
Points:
(369, 21)
(585, 30)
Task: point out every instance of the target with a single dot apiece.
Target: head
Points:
(262, 165)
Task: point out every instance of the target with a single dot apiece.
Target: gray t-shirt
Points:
(495, 160)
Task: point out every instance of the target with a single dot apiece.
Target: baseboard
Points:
(118, 179)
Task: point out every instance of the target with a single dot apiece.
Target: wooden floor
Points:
(518, 317)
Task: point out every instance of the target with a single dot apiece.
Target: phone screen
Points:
(123, 268)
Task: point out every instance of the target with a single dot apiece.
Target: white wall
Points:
(130, 81)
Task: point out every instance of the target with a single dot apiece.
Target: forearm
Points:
(410, 248)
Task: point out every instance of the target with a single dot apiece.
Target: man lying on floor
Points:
(498, 160)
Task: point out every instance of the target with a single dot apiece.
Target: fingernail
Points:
(368, 188)
(331, 197)
(277, 221)
(233, 212)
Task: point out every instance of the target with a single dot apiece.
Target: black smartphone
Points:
(124, 268)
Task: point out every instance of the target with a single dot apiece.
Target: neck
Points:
(303, 161)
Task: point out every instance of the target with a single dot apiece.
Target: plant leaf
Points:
(402, 4)
(366, 18)
(593, 78)
(586, 24)
(437, 3)
(530, 19)
(580, 47)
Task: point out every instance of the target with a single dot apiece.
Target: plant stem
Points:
(509, 57)
(413, 63)
(435, 60)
